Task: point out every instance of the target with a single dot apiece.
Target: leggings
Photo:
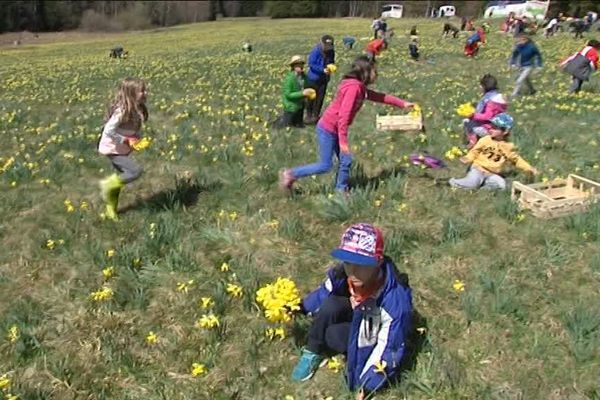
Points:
(129, 170)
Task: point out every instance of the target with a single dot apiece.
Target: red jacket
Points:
(351, 94)
(376, 46)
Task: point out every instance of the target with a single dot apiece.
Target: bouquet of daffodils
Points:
(279, 299)
(465, 110)
(142, 144)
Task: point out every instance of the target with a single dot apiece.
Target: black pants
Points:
(330, 329)
(313, 107)
(291, 119)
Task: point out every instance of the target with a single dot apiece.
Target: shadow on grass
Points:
(184, 194)
(359, 179)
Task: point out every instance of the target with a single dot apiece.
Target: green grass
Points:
(526, 325)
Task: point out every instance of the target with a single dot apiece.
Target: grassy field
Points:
(91, 309)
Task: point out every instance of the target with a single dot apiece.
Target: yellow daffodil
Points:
(380, 366)
(14, 334)
(110, 253)
(108, 273)
(234, 290)
(458, 285)
(224, 267)
(152, 338)
(69, 206)
(206, 302)
(103, 294)
(335, 364)
(198, 369)
(4, 382)
(208, 321)
(184, 286)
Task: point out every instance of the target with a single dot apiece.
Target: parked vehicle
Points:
(392, 11)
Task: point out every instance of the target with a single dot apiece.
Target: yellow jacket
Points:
(491, 156)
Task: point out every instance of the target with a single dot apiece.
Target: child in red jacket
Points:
(375, 47)
(332, 128)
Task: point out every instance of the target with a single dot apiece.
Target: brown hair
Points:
(361, 70)
(488, 82)
(132, 110)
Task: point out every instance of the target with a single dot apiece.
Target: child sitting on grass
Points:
(294, 95)
(362, 310)
(120, 135)
(491, 104)
(489, 157)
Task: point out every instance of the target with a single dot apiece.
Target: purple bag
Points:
(427, 160)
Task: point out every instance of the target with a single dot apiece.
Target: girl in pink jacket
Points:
(491, 104)
(332, 128)
(120, 135)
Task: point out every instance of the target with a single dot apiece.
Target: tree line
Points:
(43, 15)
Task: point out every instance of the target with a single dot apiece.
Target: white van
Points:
(447, 11)
(392, 11)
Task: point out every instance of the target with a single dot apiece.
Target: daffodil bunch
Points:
(312, 94)
(465, 110)
(332, 68)
(208, 321)
(104, 294)
(453, 153)
(279, 299)
(142, 144)
(416, 112)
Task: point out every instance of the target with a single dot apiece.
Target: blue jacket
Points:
(526, 55)
(317, 61)
(378, 335)
(473, 38)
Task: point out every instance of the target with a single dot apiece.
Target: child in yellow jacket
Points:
(489, 157)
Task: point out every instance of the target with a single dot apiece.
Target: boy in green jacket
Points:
(294, 94)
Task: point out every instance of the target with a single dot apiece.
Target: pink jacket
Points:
(115, 134)
(496, 105)
(348, 100)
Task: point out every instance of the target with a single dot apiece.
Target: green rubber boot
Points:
(111, 188)
(112, 205)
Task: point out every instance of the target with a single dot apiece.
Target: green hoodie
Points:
(293, 99)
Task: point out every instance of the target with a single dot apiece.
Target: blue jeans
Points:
(328, 146)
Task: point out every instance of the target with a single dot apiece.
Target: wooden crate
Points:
(399, 123)
(557, 198)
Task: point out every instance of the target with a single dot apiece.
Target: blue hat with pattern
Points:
(503, 121)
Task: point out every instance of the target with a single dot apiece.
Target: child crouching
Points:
(362, 310)
(489, 157)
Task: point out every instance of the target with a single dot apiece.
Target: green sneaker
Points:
(308, 364)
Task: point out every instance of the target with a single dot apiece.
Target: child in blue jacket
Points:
(525, 56)
(317, 76)
(362, 310)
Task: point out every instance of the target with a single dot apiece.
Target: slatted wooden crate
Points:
(557, 198)
(399, 122)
